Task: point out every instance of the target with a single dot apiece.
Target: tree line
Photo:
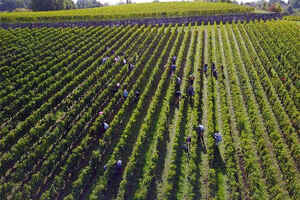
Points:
(44, 5)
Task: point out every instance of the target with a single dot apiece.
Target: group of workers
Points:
(200, 137)
(213, 70)
(190, 91)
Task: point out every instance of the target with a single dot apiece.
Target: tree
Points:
(10, 5)
(44, 5)
(295, 3)
(275, 8)
(88, 4)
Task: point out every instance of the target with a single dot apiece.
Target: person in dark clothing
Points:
(174, 59)
(191, 78)
(130, 67)
(173, 68)
(177, 95)
(191, 93)
(205, 69)
(191, 90)
(118, 168)
(116, 88)
(279, 57)
(178, 83)
(215, 74)
(104, 126)
(137, 95)
(213, 67)
(200, 133)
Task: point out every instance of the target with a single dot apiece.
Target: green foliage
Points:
(62, 154)
(295, 3)
(46, 5)
(10, 5)
(88, 4)
(126, 11)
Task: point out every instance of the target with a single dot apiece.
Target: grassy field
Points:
(130, 11)
(57, 91)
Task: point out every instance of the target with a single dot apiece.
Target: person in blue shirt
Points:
(218, 138)
(125, 93)
(174, 59)
(200, 133)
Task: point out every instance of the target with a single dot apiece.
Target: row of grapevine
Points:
(129, 11)
(55, 100)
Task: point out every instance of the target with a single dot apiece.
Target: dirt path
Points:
(204, 163)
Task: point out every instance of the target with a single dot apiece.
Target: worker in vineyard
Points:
(174, 60)
(177, 97)
(117, 59)
(125, 93)
(178, 83)
(105, 126)
(119, 164)
(137, 95)
(116, 88)
(191, 92)
(118, 167)
(213, 67)
(279, 57)
(130, 67)
(191, 78)
(215, 74)
(173, 68)
(105, 59)
(205, 69)
(218, 138)
(200, 133)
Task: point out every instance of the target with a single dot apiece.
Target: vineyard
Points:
(58, 88)
(130, 11)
